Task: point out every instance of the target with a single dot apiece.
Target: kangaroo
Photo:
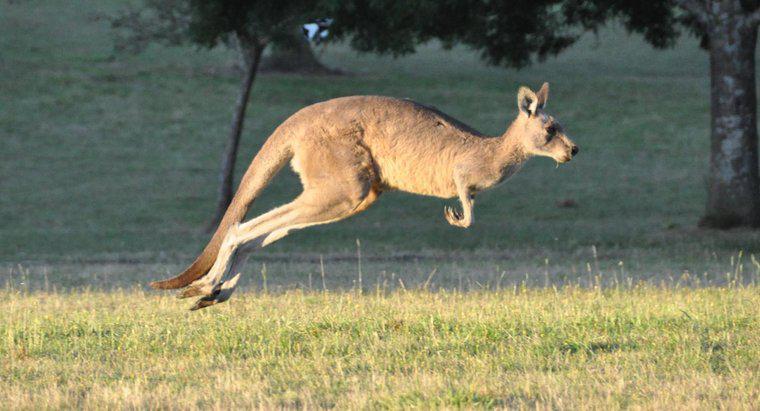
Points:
(349, 150)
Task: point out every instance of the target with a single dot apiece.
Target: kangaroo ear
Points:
(527, 101)
(543, 95)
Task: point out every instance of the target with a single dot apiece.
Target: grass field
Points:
(571, 349)
(108, 167)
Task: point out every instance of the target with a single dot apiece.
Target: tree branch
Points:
(697, 8)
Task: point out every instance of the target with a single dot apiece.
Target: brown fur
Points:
(349, 150)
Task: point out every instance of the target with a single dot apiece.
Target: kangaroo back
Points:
(269, 160)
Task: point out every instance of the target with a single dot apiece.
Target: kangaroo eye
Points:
(552, 129)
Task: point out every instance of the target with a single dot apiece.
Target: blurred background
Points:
(110, 156)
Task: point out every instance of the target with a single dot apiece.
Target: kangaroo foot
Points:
(196, 290)
(219, 294)
(204, 286)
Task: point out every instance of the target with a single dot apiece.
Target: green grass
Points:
(644, 347)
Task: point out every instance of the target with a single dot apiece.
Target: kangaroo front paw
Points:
(455, 217)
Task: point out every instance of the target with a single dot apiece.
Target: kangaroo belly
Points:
(422, 176)
(416, 165)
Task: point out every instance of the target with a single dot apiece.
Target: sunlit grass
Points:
(570, 348)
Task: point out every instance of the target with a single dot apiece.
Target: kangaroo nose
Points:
(574, 150)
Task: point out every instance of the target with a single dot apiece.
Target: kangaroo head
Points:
(539, 133)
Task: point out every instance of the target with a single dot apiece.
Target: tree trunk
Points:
(252, 57)
(733, 184)
(295, 57)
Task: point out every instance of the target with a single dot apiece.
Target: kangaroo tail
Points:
(270, 159)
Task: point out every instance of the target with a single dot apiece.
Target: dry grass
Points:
(570, 348)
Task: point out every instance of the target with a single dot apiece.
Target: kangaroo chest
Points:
(486, 181)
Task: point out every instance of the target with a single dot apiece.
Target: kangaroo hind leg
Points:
(247, 238)
(314, 206)
(209, 283)
(338, 180)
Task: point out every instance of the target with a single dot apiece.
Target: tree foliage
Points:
(508, 33)
(211, 22)
(208, 23)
